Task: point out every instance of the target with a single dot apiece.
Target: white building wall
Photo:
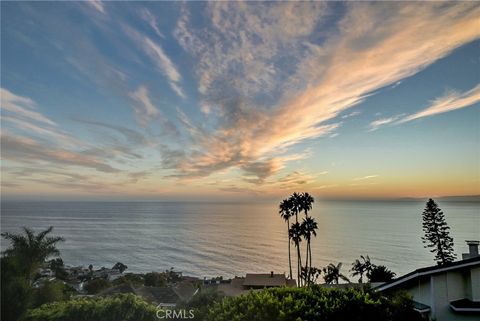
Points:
(421, 291)
(475, 284)
(446, 287)
(457, 286)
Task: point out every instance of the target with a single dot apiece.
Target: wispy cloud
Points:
(21, 113)
(452, 100)
(143, 108)
(97, 5)
(22, 106)
(269, 76)
(132, 136)
(148, 17)
(62, 138)
(374, 125)
(339, 71)
(246, 44)
(352, 114)
(365, 177)
(165, 65)
(26, 150)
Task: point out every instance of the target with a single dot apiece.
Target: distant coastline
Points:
(453, 198)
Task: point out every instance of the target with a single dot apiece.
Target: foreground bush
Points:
(202, 302)
(51, 292)
(315, 304)
(125, 307)
(96, 285)
(280, 304)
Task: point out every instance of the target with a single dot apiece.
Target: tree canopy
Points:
(437, 236)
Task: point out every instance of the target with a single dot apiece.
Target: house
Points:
(265, 280)
(251, 282)
(449, 292)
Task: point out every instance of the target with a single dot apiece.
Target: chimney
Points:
(472, 249)
(271, 273)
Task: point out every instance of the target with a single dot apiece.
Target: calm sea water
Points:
(210, 239)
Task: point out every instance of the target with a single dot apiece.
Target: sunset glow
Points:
(234, 100)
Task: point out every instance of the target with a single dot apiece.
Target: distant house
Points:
(448, 292)
(267, 280)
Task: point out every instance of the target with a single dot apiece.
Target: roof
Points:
(122, 288)
(465, 305)
(158, 294)
(420, 307)
(463, 264)
(185, 290)
(266, 279)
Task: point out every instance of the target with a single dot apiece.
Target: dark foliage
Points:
(202, 302)
(96, 285)
(20, 261)
(361, 267)
(155, 279)
(291, 208)
(332, 274)
(125, 307)
(30, 249)
(380, 273)
(16, 292)
(135, 280)
(120, 266)
(314, 304)
(51, 292)
(437, 236)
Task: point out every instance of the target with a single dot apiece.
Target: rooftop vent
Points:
(472, 249)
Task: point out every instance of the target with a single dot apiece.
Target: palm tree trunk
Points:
(299, 264)
(289, 246)
(310, 257)
(306, 262)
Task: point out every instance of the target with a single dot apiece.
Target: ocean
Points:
(232, 239)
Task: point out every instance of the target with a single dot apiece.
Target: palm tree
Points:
(295, 200)
(286, 212)
(309, 227)
(31, 250)
(305, 202)
(380, 273)
(311, 274)
(332, 274)
(295, 234)
(360, 267)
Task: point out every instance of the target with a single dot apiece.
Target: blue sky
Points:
(207, 100)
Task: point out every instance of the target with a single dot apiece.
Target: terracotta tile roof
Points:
(265, 279)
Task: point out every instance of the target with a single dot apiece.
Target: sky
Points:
(239, 101)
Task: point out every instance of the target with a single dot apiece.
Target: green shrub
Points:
(155, 279)
(125, 307)
(135, 280)
(16, 297)
(202, 302)
(315, 304)
(50, 292)
(96, 285)
(16, 291)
